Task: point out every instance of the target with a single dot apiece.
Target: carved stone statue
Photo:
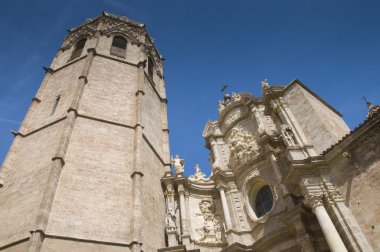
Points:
(242, 145)
(236, 97)
(178, 164)
(199, 175)
(171, 218)
(221, 106)
(265, 84)
(288, 134)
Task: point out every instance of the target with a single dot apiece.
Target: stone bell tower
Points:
(83, 172)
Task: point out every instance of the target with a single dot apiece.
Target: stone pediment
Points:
(211, 128)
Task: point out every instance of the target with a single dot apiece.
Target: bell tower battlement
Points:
(92, 148)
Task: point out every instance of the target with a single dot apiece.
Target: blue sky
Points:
(332, 46)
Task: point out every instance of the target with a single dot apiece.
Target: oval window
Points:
(261, 200)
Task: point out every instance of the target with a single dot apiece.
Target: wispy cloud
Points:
(4, 120)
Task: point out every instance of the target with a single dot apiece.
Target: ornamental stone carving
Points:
(199, 176)
(210, 231)
(242, 144)
(222, 106)
(232, 117)
(288, 135)
(86, 31)
(236, 97)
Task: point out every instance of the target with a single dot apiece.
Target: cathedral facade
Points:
(90, 169)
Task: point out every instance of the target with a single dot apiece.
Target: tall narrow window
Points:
(150, 68)
(119, 46)
(55, 105)
(78, 49)
(264, 201)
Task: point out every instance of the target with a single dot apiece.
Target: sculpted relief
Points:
(232, 116)
(198, 175)
(288, 135)
(171, 218)
(242, 145)
(209, 231)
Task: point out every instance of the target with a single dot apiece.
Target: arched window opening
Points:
(263, 201)
(78, 49)
(150, 68)
(119, 46)
(55, 105)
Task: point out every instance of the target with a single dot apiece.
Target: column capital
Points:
(220, 186)
(181, 189)
(314, 200)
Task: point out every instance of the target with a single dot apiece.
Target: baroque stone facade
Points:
(89, 168)
(288, 176)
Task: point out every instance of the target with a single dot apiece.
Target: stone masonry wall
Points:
(27, 171)
(358, 180)
(152, 201)
(110, 92)
(322, 126)
(61, 83)
(93, 198)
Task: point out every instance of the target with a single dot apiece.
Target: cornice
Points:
(365, 131)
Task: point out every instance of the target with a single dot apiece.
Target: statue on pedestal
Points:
(179, 165)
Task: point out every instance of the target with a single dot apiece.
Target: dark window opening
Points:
(150, 68)
(264, 201)
(55, 105)
(119, 46)
(78, 49)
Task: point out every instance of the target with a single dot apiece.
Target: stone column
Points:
(185, 233)
(226, 211)
(337, 210)
(187, 206)
(331, 234)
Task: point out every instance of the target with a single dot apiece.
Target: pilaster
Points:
(315, 197)
(137, 161)
(306, 150)
(171, 211)
(58, 161)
